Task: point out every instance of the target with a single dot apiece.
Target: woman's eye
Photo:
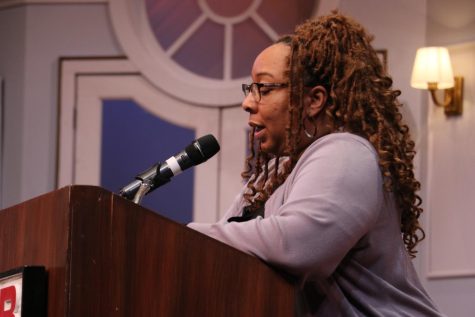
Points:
(265, 91)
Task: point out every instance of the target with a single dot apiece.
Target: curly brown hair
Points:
(335, 52)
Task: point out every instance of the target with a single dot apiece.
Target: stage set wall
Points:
(35, 35)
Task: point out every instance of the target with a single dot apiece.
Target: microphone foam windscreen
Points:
(202, 149)
(209, 145)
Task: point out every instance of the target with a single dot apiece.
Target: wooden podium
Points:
(106, 256)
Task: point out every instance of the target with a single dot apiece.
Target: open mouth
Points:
(258, 128)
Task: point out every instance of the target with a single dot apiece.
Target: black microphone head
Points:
(202, 149)
(209, 145)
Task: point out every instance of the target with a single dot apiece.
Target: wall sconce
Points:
(433, 70)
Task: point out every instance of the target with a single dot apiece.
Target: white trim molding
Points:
(71, 70)
(131, 24)
(92, 90)
(14, 3)
(84, 83)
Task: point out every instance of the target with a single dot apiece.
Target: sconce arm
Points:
(447, 100)
(453, 97)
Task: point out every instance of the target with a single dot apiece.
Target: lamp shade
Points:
(432, 65)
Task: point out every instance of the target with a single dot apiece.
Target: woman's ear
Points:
(316, 100)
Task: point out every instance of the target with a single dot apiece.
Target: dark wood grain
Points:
(36, 233)
(111, 257)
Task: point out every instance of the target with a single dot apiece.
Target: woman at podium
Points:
(330, 192)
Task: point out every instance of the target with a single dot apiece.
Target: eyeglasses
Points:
(257, 91)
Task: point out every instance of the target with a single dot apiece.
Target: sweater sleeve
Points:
(330, 201)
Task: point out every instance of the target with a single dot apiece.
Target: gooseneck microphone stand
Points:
(144, 183)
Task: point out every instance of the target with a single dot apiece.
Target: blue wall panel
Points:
(132, 141)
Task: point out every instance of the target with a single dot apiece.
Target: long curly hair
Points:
(335, 52)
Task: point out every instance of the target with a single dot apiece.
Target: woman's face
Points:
(269, 116)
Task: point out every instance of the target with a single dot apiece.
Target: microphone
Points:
(159, 174)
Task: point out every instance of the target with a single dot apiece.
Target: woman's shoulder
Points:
(343, 143)
(339, 154)
(344, 138)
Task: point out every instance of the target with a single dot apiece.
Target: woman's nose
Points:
(249, 104)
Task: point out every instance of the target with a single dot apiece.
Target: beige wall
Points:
(450, 171)
(34, 37)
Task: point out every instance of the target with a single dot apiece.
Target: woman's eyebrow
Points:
(265, 74)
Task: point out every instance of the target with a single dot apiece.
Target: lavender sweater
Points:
(332, 225)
